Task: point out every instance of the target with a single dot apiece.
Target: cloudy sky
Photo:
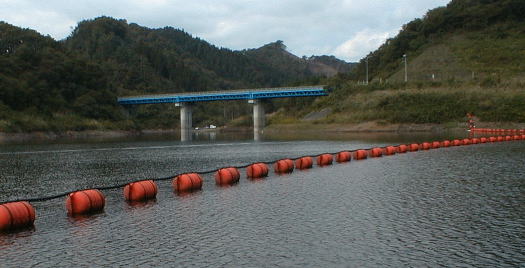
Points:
(347, 29)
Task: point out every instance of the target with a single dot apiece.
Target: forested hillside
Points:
(468, 56)
(73, 84)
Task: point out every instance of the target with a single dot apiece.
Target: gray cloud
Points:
(348, 29)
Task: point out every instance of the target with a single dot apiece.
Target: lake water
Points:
(451, 207)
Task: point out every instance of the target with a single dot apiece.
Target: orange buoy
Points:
(457, 143)
(257, 170)
(435, 145)
(523, 137)
(140, 190)
(343, 156)
(360, 154)
(500, 138)
(227, 176)
(413, 147)
(85, 202)
(508, 138)
(389, 150)
(402, 148)
(493, 139)
(424, 146)
(325, 159)
(466, 141)
(474, 140)
(483, 140)
(375, 152)
(445, 143)
(283, 166)
(516, 137)
(16, 215)
(187, 182)
(304, 162)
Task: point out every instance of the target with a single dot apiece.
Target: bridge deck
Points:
(244, 94)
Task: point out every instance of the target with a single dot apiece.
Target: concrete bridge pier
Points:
(186, 127)
(258, 117)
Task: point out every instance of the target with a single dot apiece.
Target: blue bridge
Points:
(245, 94)
(254, 96)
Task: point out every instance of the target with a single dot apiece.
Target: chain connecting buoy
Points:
(435, 145)
(325, 159)
(343, 156)
(413, 147)
(466, 141)
(283, 166)
(402, 148)
(360, 154)
(445, 143)
(16, 215)
(187, 182)
(85, 202)
(457, 143)
(389, 150)
(304, 162)
(227, 176)
(140, 190)
(257, 170)
(425, 146)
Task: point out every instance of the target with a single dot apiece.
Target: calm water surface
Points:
(452, 207)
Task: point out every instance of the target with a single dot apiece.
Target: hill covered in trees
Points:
(73, 84)
(468, 56)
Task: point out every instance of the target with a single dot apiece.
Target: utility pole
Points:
(406, 75)
(366, 60)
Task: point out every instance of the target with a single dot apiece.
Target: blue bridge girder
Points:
(244, 94)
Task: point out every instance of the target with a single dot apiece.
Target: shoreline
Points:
(365, 127)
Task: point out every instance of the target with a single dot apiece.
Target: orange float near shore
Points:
(140, 191)
(187, 182)
(325, 159)
(305, 162)
(227, 176)
(457, 143)
(424, 146)
(16, 215)
(257, 170)
(85, 202)
(389, 150)
(375, 152)
(413, 147)
(283, 166)
(402, 148)
(360, 154)
(344, 156)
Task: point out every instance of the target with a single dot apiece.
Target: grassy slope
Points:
(481, 72)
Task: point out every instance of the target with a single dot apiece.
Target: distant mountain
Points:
(73, 84)
(275, 55)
